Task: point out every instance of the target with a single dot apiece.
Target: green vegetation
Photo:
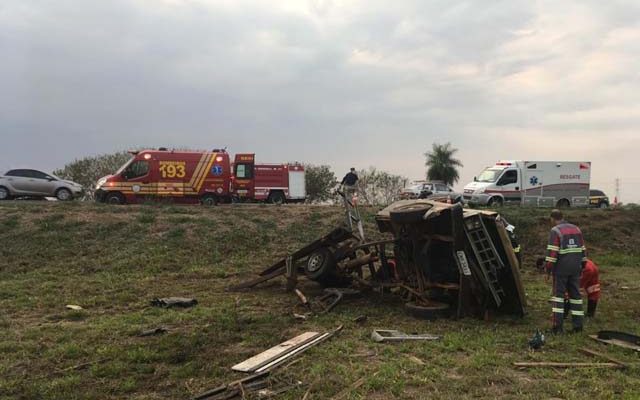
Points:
(113, 260)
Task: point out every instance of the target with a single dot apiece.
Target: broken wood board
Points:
(617, 342)
(275, 352)
(566, 365)
(603, 356)
(390, 335)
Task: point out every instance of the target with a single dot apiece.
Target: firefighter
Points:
(349, 182)
(590, 283)
(566, 257)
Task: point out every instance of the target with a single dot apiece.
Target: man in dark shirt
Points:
(349, 181)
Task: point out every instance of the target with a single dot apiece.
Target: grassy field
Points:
(113, 260)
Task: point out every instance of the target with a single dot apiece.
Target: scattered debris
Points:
(236, 388)
(389, 335)
(301, 317)
(537, 341)
(566, 365)
(73, 307)
(620, 339)
(169, 302)
(415, 359)
(603, 356)
(303, 298)
(153, 332)
(276, 355)
(360, 319)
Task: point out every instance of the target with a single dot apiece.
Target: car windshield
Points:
(125, 165)
(489, 175)
(414, 188)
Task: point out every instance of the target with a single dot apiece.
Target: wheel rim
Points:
(209, 201)
(315, 262)
(3, 193)
(114, 200)
(63, 194)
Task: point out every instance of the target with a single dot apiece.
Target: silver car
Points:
(32, 183)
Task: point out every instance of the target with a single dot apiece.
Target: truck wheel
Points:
(63, 194)
(495, 202)
(321, 265)
(409, 214)
(276, 198)
(431, 311)
(563, 203)
(114, 198)
(4, 193)
(209, 200)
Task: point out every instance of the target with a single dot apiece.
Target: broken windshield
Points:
(489, 175)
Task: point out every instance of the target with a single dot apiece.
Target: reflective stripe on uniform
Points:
(570, 251)
(575, 301)
(593, 288)
(579, 313)
(550, 259)
(516, 250)
(557, 299)
(558, 310)
(552, 247)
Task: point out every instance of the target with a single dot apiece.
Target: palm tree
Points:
(441, 166)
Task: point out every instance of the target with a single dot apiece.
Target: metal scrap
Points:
(390, 335)
(169, 302)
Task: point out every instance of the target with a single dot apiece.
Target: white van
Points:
(532, 183)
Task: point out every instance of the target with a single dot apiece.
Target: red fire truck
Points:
(206, 177)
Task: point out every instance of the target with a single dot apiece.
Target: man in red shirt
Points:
(590, 283)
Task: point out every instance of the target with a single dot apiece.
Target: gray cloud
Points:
(338, 82)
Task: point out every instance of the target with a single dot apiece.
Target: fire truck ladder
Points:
(486, 255)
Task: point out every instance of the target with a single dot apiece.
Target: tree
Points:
(86, 171)
(378, 187)
(319, 181)
(441, 166)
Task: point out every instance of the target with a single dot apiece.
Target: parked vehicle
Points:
(429, 190)
(37, 184)
(532, 183)
(206, 177)
(598, 199)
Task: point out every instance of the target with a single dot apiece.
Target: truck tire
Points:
(276, 197)
(4, 193)
(603, 205)
(63, 194)
(321, 266)
(409, 214)
(563, 203)
(115, 198)
(430, 312)
(209, 200)
(495, 201)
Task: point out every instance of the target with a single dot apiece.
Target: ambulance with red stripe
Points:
(205, 177)
(531, 183)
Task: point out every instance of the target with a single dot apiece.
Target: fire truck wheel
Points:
(4, 193)
(63, 194)
(495, 202)
(563, 203)
(114, 198)
(276, 197)
(431, 311)
(410, 214)
(321, 265)
(209, 200)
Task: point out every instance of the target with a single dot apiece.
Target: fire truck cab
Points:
(205, 177)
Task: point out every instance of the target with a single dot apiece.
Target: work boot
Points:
(591, 308)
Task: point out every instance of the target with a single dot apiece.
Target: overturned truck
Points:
(442, 259)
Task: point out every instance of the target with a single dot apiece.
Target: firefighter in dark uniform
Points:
(566, 256)
(349, 182)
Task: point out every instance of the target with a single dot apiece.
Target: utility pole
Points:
(617, 198)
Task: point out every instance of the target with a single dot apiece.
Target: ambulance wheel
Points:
(563, 203)
(321, 266)
(495, 202)
(209, 200)
(4, 193)
(431, 311)
(602, 204)
(63, 194)
(409, 214)
(114, 198)
(276, 198)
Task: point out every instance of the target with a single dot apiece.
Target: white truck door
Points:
(297, 188)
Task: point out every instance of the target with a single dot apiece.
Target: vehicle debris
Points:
(360, 319)
(442, 259)
(537, 340)
(620, 339)
(169, 302)
(153, 332)
(390, 335)
(276, 355)
(236, 388)
(73, 307)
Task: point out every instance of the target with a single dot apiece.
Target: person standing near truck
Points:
(349, 182)
(566, 257)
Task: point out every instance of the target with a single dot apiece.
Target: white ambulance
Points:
(532, 183)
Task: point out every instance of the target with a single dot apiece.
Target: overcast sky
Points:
(344, 83)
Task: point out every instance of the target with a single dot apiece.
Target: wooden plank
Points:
(275, 352)
(603, 356)
(565, 365)
(616, 342)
